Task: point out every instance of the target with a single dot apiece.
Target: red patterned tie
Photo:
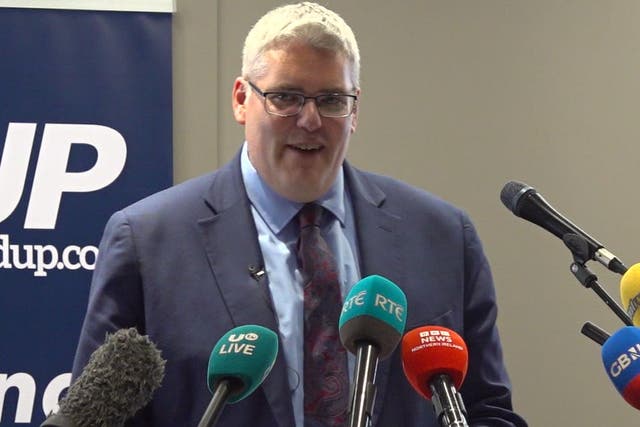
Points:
(326, 382)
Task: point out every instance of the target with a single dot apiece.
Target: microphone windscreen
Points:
(621, 359)
(432, 350)
(512, 193)
(244, 356)
(630, 293)
(118, 380)
(374, 312)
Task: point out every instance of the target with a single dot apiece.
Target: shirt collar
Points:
(277, 211)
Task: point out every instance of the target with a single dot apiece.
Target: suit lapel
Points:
(231, 244)
(379, 246)
(229, 238)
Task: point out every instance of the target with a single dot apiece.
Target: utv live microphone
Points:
(371, 325)
(239, 363)
(118, 380)
(621, 359)
(524, 201)
(435, 361)
(630, 293)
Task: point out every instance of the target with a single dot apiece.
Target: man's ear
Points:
(354, 116)
(239, 98)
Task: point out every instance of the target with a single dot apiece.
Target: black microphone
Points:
(371, 326)
(524, 201)
(597, 334)
(118, 380)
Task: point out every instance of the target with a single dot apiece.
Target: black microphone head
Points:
(511, 194)
(119, 380)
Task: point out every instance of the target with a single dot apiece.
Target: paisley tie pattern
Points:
(326, 382)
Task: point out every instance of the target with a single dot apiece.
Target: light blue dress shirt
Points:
(277, 236)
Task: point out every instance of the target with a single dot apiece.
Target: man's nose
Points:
(309, 117)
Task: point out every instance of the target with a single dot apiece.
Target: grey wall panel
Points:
(460, 97)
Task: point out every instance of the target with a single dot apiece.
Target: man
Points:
(188, 264)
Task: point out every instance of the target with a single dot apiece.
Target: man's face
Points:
(299, 157)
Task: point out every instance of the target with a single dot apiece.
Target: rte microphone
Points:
(524, 201)
(620, 356)
(435, 361)
(630, 293)
(118, 380)
(239, 363)
(371, 325)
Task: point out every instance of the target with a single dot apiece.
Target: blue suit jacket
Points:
(176, 266)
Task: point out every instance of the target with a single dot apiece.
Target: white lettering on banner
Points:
(53, 391)
(13, 165)
(51, 178)
(26, 386)
(43, 258)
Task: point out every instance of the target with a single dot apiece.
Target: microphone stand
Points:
(363, 393)
(220, 395)
(447, 402)
(579, 248)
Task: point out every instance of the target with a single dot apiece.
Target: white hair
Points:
(304, 22)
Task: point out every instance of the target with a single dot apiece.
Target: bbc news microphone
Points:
(630, 293)
(371, 325)
(621, 359)
(524, 201)
(118, 380)
(435, 361)
(239, 363)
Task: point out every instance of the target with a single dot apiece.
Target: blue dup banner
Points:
(85, 129)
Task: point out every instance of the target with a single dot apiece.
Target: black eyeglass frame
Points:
(304, 98)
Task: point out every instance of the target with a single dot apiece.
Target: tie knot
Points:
(310, 214)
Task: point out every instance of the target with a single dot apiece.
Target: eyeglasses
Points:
(287, 104)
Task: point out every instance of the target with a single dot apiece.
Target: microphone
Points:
(593, 331)
(239, 363)
(371, 325)
(630, 293)
(435, 361)
(620, 355)
(524, 201)
(118, 380)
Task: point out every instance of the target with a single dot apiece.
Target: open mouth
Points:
(307, 148)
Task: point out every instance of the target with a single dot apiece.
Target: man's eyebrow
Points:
(284, 88)
(298, 89)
